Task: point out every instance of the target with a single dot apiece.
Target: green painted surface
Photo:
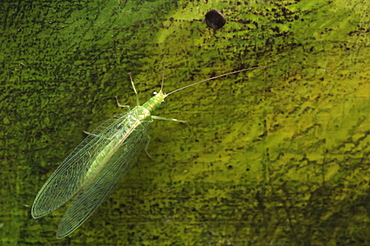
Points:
(278, 156)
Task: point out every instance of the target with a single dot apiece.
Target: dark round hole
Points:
(215, 19)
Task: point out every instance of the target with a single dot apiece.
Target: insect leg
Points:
(133, 86)
(163, 118)
(89, 133)
(146, 148)
(122, 106)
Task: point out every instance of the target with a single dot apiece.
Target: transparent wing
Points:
(70, 175)
(100, 185)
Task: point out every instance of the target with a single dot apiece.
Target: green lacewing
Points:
(94, 168)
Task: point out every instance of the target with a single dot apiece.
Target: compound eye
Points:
(163, 102)
(154, 93)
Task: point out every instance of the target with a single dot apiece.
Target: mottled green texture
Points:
(278, 156)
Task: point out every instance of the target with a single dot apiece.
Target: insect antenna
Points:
(162, 77)
(216, 77)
